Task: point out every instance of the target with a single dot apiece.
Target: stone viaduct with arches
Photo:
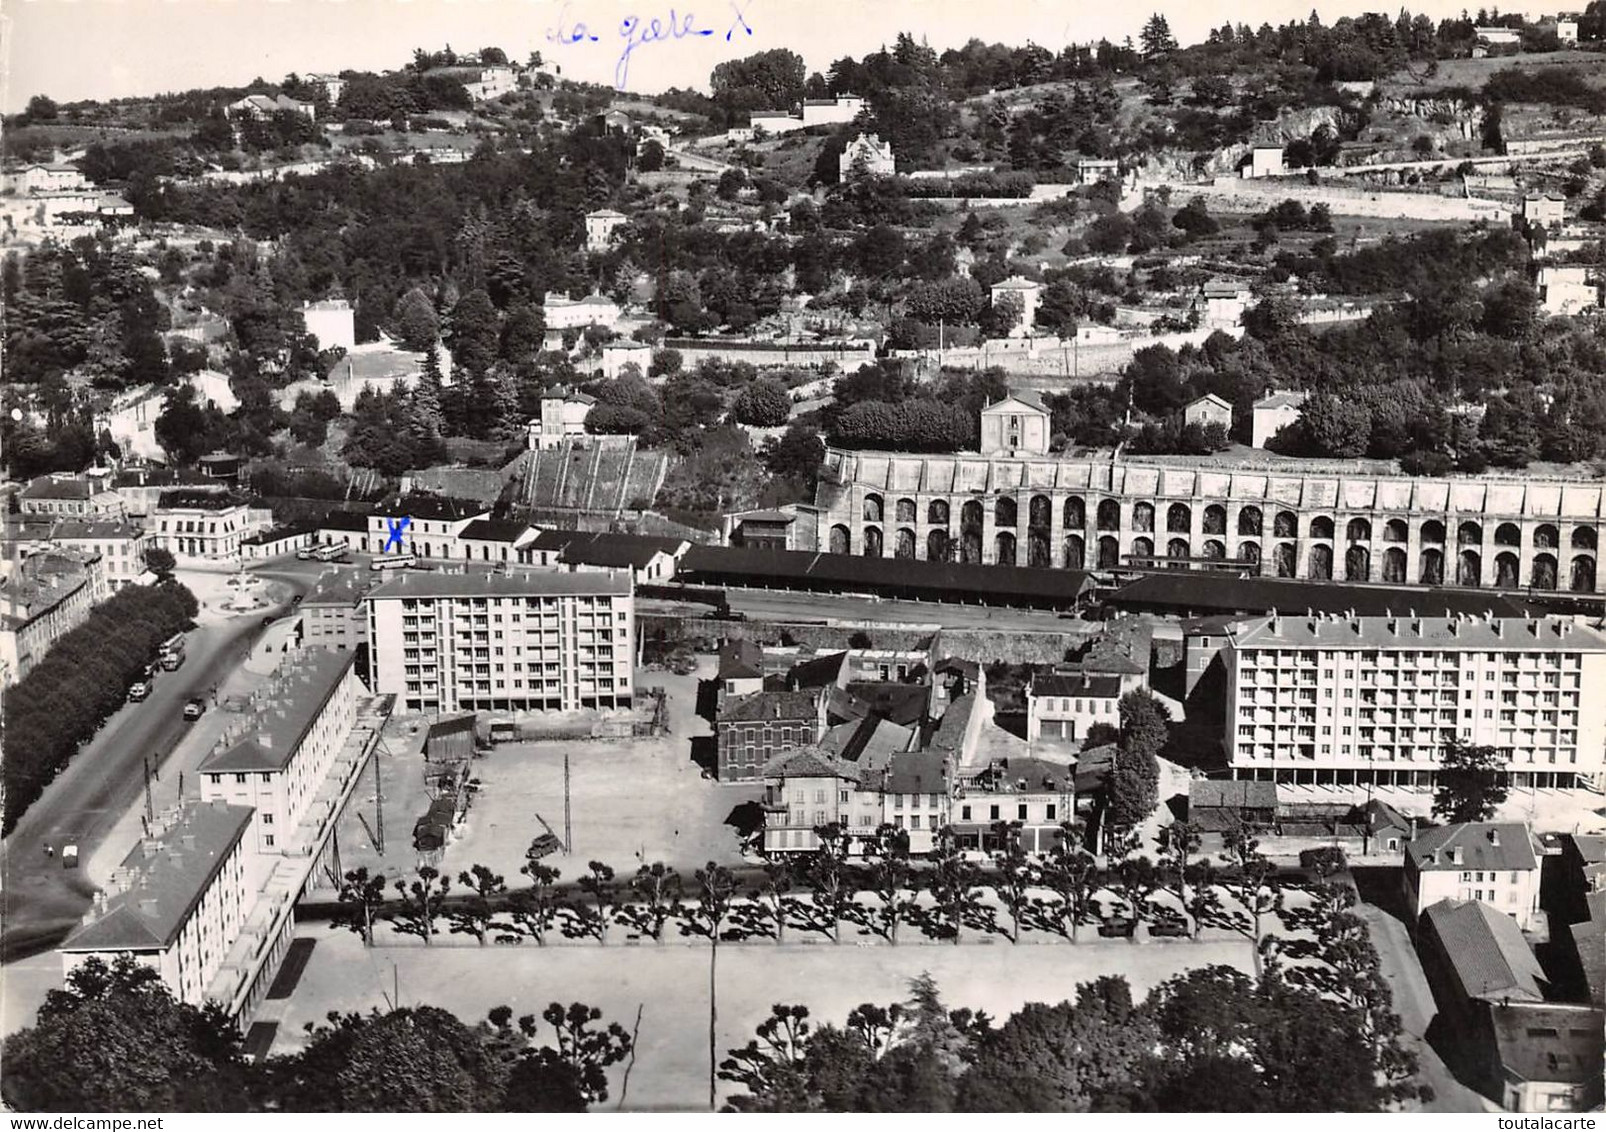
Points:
(1033, 509)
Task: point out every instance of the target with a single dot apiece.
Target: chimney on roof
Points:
(1494, 837)
(147, 907)
(265, 739)
(1456, 856)
(1499, 628)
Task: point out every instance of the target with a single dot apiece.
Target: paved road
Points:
(1413, 1002)
(41, 901)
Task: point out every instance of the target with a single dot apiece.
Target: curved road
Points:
(40, 901)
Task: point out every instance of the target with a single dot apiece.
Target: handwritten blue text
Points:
(635, 31)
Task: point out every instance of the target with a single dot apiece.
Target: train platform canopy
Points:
(1197, 594)
(885, 577)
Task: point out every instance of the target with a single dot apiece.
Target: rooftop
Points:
(58, 487)
(513, 583)
(343, 585)
(1549, 1041)
(770, 705)
(909, 576)
(1024, 776)
(1198, 592)
(593, 548)
(1076, 684)
(69, 529)
(1494, 634)
(1486, 951)
(810, 762)
(430, 507)
(1213, 794)
(344, 521)
(190, 499)
(301, 688)
(1282, 399)
(1501, 846)
(741, 659)
(494, 530)
(165, 878)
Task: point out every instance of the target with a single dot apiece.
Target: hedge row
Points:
(64, 699)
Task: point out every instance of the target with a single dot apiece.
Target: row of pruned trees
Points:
(62, 701)
(882, 894)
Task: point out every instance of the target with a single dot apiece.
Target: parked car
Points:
(194, 709)
(139, 691)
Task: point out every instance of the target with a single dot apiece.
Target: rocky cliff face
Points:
(1457, 115)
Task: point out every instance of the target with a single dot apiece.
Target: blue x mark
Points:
(396, 527)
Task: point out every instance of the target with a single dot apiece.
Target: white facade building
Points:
(518, 639)
(564, 313)
(1273, 412)
(1018, 423)
(1345, 701)
(868, 155)
(430, 531)
(1569, 290)
(600, 227)
(1265, 161)
(178, 901)
(279, 758)
(1491, 862)
(198, 524)
(617, 355)
(1208, 410)
(1028, 292)
(120, 544)
(563, 415)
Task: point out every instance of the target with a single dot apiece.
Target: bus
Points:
(393, 562)
(334, 552)
(172, 652)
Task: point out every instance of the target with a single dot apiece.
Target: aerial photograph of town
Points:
(802, 556)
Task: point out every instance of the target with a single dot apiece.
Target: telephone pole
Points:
(379, 807)
(568, 817)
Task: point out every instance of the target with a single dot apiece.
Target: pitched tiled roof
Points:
(1502, 846)
(1549, 1041)
(1486, 951)
(1196, 592)
(770, 705)
(918, 772)
(817, 672)
(494, 530)
(810, 762)
(1218, 794)
(1072, 684)
(166, 876)
(741, 659)
(431, 507)
(1282, 399)
(280, 724)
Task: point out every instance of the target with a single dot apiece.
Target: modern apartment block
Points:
(277, 760)
(1355, 700)
(178, 901)
(520, 640)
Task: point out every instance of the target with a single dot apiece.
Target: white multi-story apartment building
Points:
(1355, 700)
(1490, 862)
(178, 902)
(278, 760)
(518, 639)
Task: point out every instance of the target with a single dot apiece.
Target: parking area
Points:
(629, 800)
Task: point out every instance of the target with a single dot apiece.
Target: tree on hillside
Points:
(769, 80)
(417, 325)
(1156, 38)
(1472, 782)
(765, 404)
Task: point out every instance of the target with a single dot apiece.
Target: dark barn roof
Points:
(1197, 593)
(911, 578)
